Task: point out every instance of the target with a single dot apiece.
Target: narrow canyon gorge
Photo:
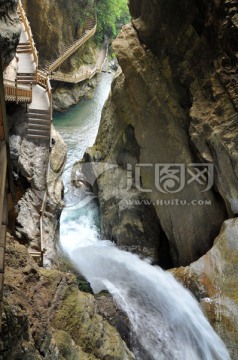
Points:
(141, 175)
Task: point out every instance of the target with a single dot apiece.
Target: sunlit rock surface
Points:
(213, 280)
(177, 96)
(30, 166)
(9, 30)
(45, 316)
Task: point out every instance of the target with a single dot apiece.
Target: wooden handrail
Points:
(84, 75)
(17, 93)
(28, 30)
(43, 80)
(75, 46)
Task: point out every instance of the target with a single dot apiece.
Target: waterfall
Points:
(166, 321)
(165, 318)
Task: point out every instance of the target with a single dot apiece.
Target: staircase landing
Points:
(26, 63)
(40, 99)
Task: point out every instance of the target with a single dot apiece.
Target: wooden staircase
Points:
(90, 29)
(39, 110)
(85, 72)
(39, 124)
(27, 78)
(32, 87)
(24, 48)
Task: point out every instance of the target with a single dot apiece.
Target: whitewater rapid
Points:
(166, 321)
(165, 318)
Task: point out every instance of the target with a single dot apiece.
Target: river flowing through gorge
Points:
(166, 320)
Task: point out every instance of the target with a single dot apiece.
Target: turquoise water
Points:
(79, 125)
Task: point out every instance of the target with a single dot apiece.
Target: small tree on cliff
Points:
(111, 14)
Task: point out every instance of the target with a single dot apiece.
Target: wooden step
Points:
(24, 44)
(23, 47)
(26, 74)
(37, 137)
(39, 122)
(38, 132)
(45, 126)
(38, 115)
(26, 82)
(23, 51)
(38, 111)
(25, 77)
(28, 79)
(44, 132)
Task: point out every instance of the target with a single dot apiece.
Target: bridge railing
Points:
(68, 52)
(43, 79)
(17, 93)
(84, 74)
(29, 32)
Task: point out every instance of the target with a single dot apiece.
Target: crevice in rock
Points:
(164, 258)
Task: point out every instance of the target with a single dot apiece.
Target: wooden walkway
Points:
(17, 93)
(39, 111)
(90, 29)
(32, 87)
(27, 62)
(85, 72)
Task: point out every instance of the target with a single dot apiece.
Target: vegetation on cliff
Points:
(112, 14)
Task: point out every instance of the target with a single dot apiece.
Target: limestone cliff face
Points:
(9, 30)
(30, 163)
(213, 280)
(45, 316)
(175, 102)
(56, 25)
